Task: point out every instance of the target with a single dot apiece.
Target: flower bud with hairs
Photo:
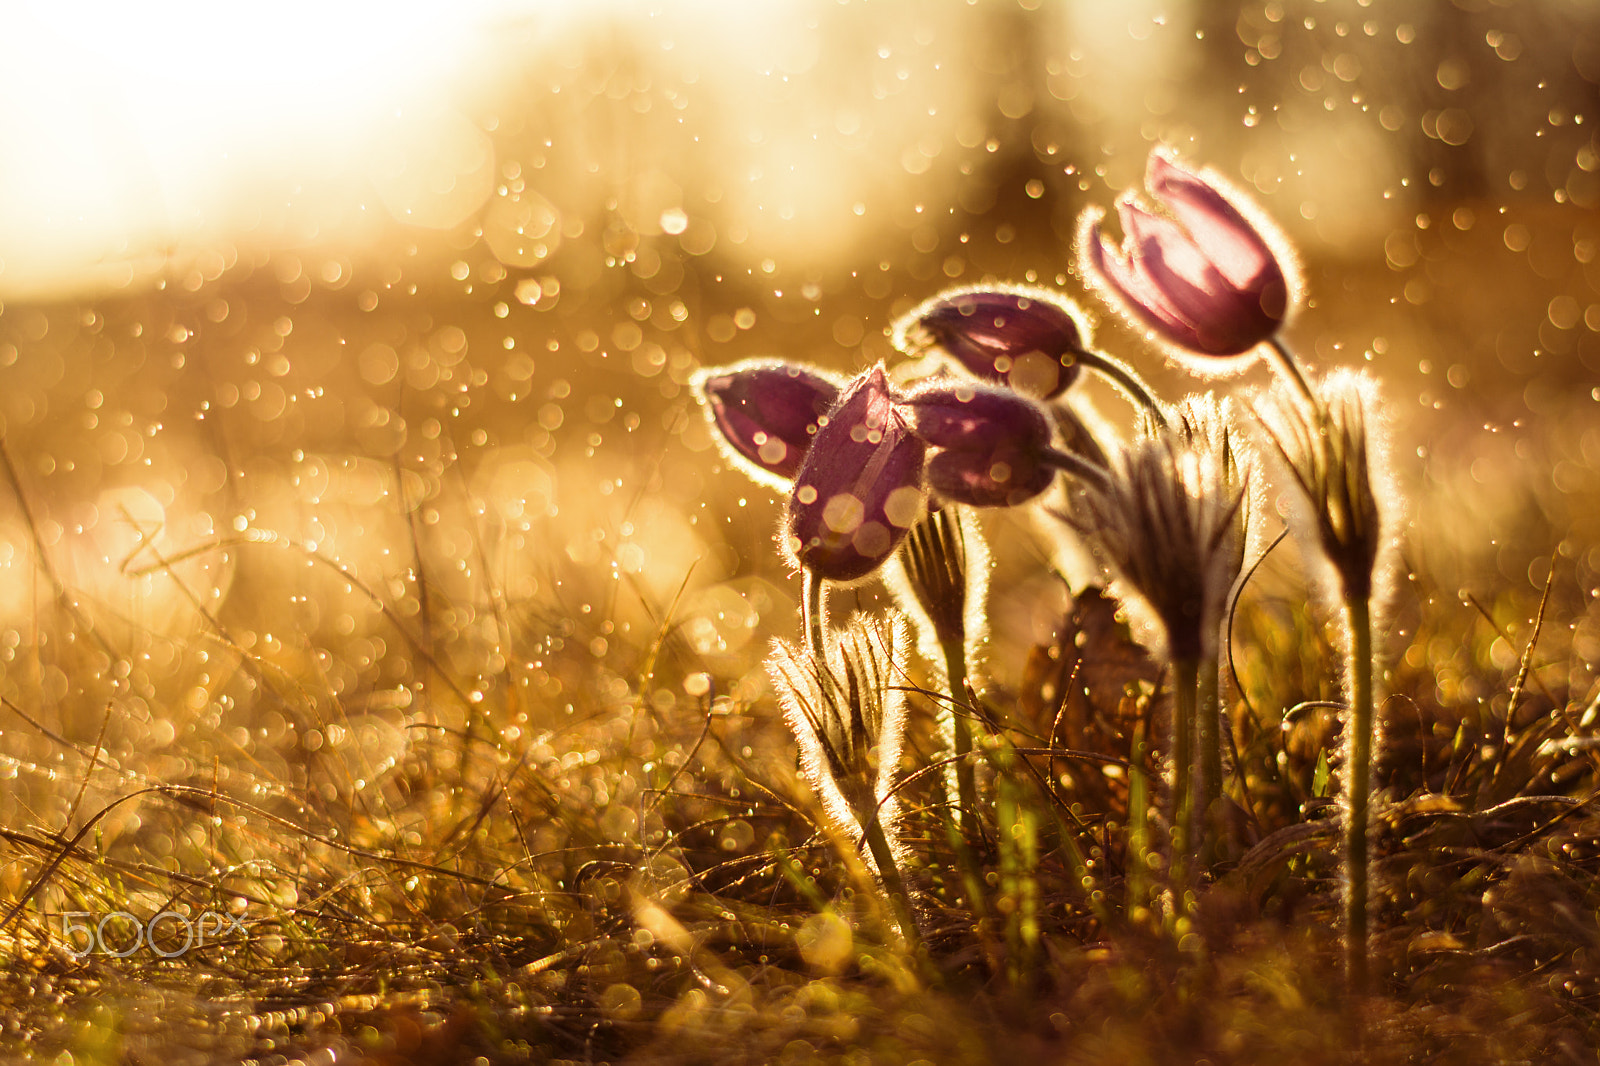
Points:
(1026, 338)
(1330, 444)
(990, 447)
(1198, 268)
(860, 487)
(765, 413)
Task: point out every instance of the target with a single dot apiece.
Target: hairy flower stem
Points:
(1289, 367)
(1138, 862)
(1122, 376)
(1358, 765)
(1185, 690)
(812, 609)
(1082, 469)
(1208, 783)
(894, 884)
(963, 723)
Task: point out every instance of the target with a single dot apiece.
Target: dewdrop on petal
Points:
(860, 487)
(1028, 339)
(765, 414)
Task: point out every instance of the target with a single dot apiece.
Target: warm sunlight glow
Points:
(130, 128)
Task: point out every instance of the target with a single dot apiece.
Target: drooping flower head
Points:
(1026, 338)
(859, 488)
(858, 459)
(765, 413)
(989, 446)
(1202, 272)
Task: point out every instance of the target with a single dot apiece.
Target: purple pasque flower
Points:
(765, 413)
(859, 489)
(1201, 274)
(989, 446)
(858, 460)
(1027, 338)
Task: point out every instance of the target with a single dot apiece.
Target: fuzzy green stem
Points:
(1358, 767)
(1184, 712)
(894, 884)
(1208, 738)
(812, 608)
(1138, 861)
(1082, 469)
(1289, 367)
(961, 731)
(1123, 377)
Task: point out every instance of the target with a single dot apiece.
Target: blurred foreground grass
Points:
(474, 740)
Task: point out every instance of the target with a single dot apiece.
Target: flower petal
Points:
(1229, 242)
(989, 444)
(1002, 477)
(859, 488)
(1027, 338)
(976, 417)
(766, 411)
(1124, 272)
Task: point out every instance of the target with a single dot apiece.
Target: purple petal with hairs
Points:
(1021, 337)
(860, 487)
(766, 412)
(989, 444)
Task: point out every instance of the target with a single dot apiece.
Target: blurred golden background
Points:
(344, 346)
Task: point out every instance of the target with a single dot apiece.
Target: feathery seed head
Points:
(1335, 459)
(848, 715)
(1171, 523)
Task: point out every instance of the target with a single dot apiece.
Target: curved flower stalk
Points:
(1029, 339)
(847, 711)
(1170, 521)
(940, 579)
(1198, 267)
(1335, 459)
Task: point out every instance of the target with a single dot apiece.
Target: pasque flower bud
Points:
(860, 487)
(1028, 339)
(765, 413)
(990, 447)
(1202, 275)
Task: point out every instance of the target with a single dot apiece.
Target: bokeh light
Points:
(345, 347)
